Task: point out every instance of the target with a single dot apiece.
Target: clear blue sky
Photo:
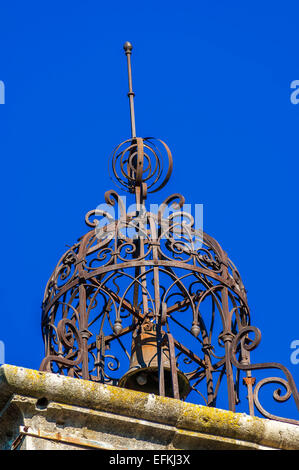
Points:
(212, 79)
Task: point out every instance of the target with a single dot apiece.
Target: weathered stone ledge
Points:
(195, 422)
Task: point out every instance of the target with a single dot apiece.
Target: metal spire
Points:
(128, 51)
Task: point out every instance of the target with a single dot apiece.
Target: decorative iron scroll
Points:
(146, 156)
(287, 382)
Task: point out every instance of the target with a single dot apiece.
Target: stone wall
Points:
(45, 411)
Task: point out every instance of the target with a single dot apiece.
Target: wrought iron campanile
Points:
(144, 300)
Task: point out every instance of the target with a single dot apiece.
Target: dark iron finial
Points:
(128, 47)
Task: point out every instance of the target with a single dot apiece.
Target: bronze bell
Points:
(142, 375)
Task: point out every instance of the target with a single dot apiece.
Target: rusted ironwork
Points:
(55, 437)
(153, 271)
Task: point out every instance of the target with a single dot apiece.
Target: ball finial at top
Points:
(128, 47)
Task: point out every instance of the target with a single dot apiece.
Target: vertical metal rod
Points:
(249, 381)
(128, 51)
(174, 372)
(160, 360)
(84, 331)
(227, 339)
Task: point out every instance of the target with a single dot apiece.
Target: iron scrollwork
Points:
(287, 382)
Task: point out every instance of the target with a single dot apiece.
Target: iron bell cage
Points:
(147, 301)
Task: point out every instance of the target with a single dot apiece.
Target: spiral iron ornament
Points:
(139, 162)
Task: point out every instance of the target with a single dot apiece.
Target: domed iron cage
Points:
(146, 300)
(154, 269)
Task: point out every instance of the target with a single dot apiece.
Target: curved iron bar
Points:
(64, 339)
(289, 383)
